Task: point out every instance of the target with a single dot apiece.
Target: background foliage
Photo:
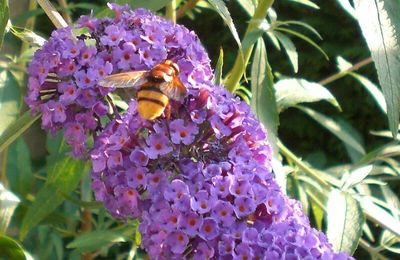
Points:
(334, 150)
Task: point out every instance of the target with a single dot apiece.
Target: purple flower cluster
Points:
(199, 181)
(64, 73)
(201, 184)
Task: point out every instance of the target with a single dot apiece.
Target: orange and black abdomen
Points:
(151, 101)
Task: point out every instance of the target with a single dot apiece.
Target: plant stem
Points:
(52, 13)
(304, 167)
(240, 64)
(170, 11)
(345, 72)
(189, 5)
(64, 5)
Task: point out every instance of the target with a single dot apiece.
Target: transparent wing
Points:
(174, 89)
(124, 79)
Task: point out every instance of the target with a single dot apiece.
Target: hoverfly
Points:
(155, 87)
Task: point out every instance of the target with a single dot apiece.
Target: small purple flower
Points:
(209, 230)
(223, 213)
(182, 133)
(178, 242)
(158, 145)
(202, 202)
(190, 223)
(114, 35)
(139, 157)
(244, 206)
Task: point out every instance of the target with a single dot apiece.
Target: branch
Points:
(52, 13)
(345, 72)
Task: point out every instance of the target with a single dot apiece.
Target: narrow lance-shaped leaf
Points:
(345, 220)
(223, 11)
(263, 103)
(10, 99)
(4, 15)
(378, 20)
(263, 94)
(63, 177)
(15, 129)
(290, 92)
(8, 203)
(290, 50)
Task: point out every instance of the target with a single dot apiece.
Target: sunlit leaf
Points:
(379, 215)
(223, 11)
(378, 20)
(348, 7)
(63, 177)
(290, 50)
(4, 15)
(334, 128)
(306, 3)
(28, 36)
(345, 220)
(263, 94)
(356, 176)
(10, 99)
(248, 5)
(290, 92)
(10, 249)
(218, 68)
(8, 203)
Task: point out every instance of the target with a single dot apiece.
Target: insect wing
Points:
(174, 89)
(124, 79)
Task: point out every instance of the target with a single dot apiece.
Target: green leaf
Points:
(263, 95)
(11, 249)
(378, 20)
(97, 239)
(345, 221)
(306, 3)
(334, 128)
(63, 178)
(304, 38)
(379, 216)
(223, 11)
(290, 50)
(4, 15)
(302, 24)
(8, 203)
(19, 174)
(354, 154)
(356, 176)
(348, 8)
(252, 37)
(15, 129)
(248, 5)
(10, 99)
(290, 92)
(218, 68)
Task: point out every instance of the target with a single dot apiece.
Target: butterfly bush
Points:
(200, 182)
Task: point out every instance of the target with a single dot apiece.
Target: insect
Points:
(155, 87)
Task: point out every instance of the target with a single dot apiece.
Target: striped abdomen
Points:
(151, 101)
